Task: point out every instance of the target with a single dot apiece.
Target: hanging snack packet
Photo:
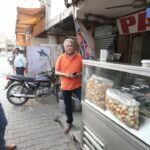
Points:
(96, 90)
(123, 106)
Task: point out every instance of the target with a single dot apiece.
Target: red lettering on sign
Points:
(143, 22)
(135, 23)
(126, 23)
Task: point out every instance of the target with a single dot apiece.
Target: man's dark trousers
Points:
(67, 95)
(20, 70)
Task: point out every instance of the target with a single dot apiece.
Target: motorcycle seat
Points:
(16, 76)
(28, 79)
(21, 77)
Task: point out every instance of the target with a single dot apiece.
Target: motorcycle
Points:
(21, 88)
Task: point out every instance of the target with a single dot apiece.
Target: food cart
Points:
(115, 106)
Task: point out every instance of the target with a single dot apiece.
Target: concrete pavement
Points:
(32, 126)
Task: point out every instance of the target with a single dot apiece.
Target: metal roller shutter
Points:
(103, 42)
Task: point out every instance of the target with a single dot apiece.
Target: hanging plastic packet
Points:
(96, 90)
(123, 106)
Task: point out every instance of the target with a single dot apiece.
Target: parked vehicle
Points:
(21, 88)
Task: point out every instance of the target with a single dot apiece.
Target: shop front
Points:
(115, 106)
(137, 27)
(116, 97)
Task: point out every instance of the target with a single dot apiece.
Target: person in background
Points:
(19, 62)
(69, 68)
(3, 124)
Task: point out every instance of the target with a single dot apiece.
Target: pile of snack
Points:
(100, 92)
(123, 106)
(96, 90)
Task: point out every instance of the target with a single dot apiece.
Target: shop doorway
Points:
(146, 47)
(136, 54)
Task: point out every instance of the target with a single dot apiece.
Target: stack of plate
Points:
(145, 63)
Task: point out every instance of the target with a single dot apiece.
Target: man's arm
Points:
(68, 75)
(62, 74)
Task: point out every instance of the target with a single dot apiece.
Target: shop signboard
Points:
(85, 40)
(134, 23)
(147, 12)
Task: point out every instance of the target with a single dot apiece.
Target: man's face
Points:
(69, 48)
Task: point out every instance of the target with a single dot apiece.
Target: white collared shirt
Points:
(20, 61)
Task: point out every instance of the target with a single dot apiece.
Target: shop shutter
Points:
(123, 47)
(103, 42)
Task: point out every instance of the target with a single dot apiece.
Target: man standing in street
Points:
(19, 62)
(3, 124)
(69, 67)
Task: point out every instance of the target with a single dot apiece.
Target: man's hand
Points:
(71, 75)
(74, 75)
(68, 75)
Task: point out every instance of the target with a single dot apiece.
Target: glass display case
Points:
(115, 106)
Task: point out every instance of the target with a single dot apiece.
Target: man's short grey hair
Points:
(69, 40)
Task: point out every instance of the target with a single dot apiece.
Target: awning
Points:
(27, 19)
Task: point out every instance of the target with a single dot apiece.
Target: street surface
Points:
(32, 126)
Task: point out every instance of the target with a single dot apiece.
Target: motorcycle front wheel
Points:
(17, 89)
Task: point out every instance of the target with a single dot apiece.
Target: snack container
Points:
(123, 106)
(96, 90)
